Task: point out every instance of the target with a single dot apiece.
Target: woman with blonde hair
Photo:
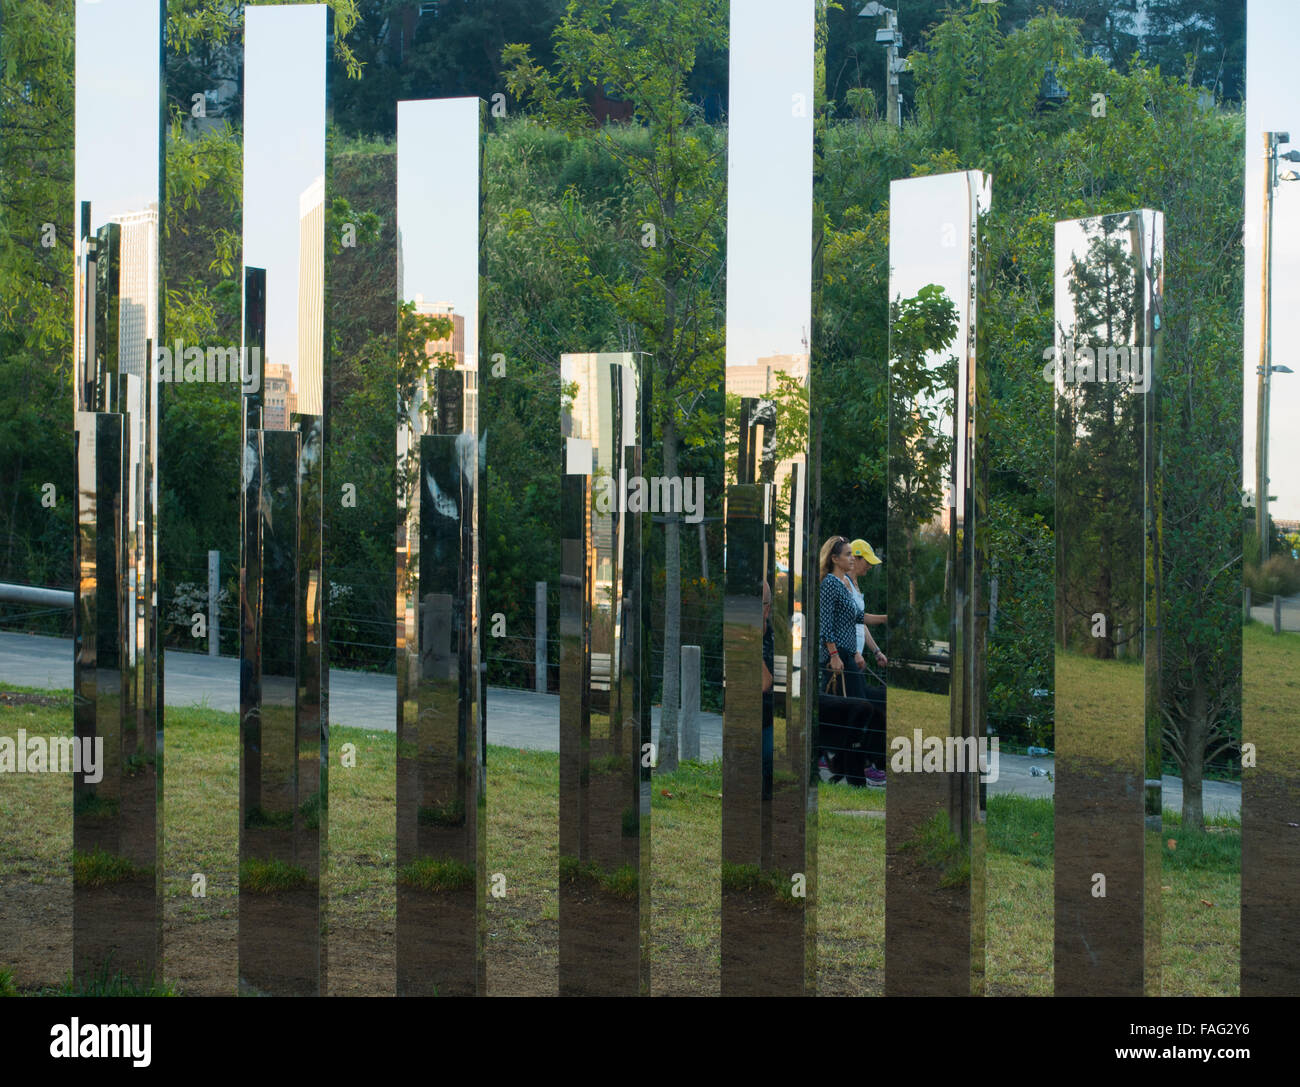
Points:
(837, 616)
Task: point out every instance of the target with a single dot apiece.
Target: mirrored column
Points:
(1270, 670)
(936, 725)
(441, 800)
(117, 905)
(1109, 283)
(283, 684)
(604, 677)
(769, 804)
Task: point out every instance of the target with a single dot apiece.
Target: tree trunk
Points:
(1195, 732)
(672, 616)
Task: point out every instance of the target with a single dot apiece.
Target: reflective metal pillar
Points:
(1109, 282)
(284, 708)
(936, 724)
(769, 801)
(117, 831)
(604, 677)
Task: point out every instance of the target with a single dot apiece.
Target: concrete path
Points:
(522, 719)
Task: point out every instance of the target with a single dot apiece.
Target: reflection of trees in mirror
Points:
(921, 421)
(1101, 423)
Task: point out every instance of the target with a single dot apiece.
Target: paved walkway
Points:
(522, 719)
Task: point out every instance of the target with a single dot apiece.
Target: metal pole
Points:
(690, 747)
(214, 591)
(539, 639)
(1265, 352)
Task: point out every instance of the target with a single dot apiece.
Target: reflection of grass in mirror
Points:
(1099, 709)
(93, 806)
(451, 814)
(622, 882)
(1270, 689)
(99, 868)
(107, 982)
(432, 874)
(202, 805)
(263, 877)
(752, 880)
(310, 809)
(262, 819)
(938, 847)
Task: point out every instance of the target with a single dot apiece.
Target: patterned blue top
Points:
(837, 616)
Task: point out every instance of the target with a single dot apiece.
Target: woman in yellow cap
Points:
(865, 559)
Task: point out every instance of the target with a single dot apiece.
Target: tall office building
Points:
(453, 345)
(138, 288)
(279, 400)
(311, 298)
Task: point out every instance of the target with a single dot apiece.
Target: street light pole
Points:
(1271, 140)
(1264, 383)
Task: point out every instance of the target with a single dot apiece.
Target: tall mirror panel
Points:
(1270, 743)
(441, 800)
(117, 919)
(769, 799)
(604, 678)
(283, 705)
(1109, 283)
(938, 750)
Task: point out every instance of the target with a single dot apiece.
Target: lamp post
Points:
(892, 39)
(1266, 368)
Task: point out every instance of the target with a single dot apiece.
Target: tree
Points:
(667, 296)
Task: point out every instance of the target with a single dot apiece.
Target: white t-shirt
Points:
(861, 628)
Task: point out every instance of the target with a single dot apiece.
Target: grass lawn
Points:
(1201, 874)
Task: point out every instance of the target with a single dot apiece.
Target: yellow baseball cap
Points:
(862, 550)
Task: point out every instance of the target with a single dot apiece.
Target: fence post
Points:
(1277, 613)
(1246, 602)
(214, 593)
(690, 715)
(539, 639)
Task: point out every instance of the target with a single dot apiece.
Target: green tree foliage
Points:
(667, 295)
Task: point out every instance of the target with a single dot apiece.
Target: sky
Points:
(769, 194)
(1273, 104)
(437, 205)
(117, 107)
(929, 224)
(284, 152)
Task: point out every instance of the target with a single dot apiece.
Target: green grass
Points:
(622, 882)
(98, 868)
(434, 875)
(1200, 874)
(263, 877)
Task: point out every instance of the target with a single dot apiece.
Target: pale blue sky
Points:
(437, 204)
(1273, 104)
(117, 107)
(769, 198)
(284, 152)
